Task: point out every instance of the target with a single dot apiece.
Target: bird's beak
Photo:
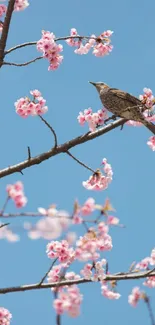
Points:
(93, 83)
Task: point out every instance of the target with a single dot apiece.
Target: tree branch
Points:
(51, 129)
(22, 64)
(113, 277)
(5, 30)
(80, 162)
(60, 149)
(64, 38)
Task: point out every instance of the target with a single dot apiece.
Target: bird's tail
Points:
(150, 126)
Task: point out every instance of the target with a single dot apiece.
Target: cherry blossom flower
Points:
(6, 233)
(69, 300)
(143, 264)
(101, 44)
(151, 143)
(94, 120)
(50, 49)
(16, 193)
(150, 282)
(62, 251)
(134, 297)
(20, 5)
(25, 107)
(50, 227)
(3, 9)
(98, 181)
(110, 294)
(5, 316)
(152, 262)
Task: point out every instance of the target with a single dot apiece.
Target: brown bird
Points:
(122, 104)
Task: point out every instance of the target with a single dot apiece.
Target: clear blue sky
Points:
(130, 67)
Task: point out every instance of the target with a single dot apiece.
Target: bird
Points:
(122, 104)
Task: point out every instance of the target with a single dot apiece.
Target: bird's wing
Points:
(123, 95)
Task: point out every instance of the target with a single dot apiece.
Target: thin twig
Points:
(23, 64)
(5, 29)
(117, 277)
(29, 153)
(4, 225)
(147, 301)
(60, 149)
(52, 130)
(80, 162)
(46, 274)
(5, 205)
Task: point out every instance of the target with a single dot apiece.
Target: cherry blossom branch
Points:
(52, 130)
(46, 274)
(80, 162)
(28, 214)
(5, 30)
(64, 38)
(22, 64)
(113, 277)
(60, 149)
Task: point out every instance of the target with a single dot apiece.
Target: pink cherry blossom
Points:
(5, 316)
(62, 251)
(111, 220)
(151, 143)
(3, 10)
(69, 300)
(88, 207)
(6, 233)
(20, 5)
(25, 107)
(152, 261)
(94, 120)
(16, 193)
(143, 264)
(134, 297)
(50, 49)
(101, 44)
(50, 227)
(150, 282)
(110, 294)
(87, 271)
(98, 181)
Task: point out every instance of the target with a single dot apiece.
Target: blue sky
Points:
(129, 67)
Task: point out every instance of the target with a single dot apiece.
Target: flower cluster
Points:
(62, 251)
(50, 227)
(101, 44)
(50, 49)
(25, 107)
(94, 120)
(16, 193)
(6, 233)
(145, 264)
(93, 242)
(99, 272)
(3, 10)
(98, 181)
(81, 211)
(5, 316)
(134, 297)
(108, 293)
(21, 5)
(151, 143)
(148, 100)
(69, 300)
